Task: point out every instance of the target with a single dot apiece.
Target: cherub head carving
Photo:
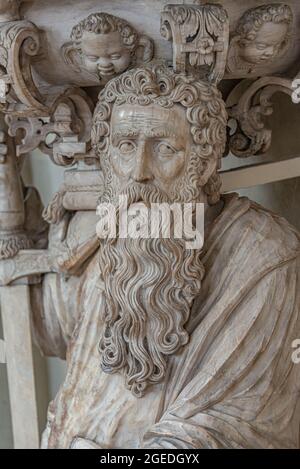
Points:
(104, 46)
(159, 136)
(261, 36)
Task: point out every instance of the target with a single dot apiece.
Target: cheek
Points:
(123, 63)
(171, 168)
(121, 166)
(91, 66)
(250, 52)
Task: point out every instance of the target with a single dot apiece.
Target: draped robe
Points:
(234, 385)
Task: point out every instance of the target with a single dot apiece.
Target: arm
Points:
(55, 312)
(57, 304)
(242, 388)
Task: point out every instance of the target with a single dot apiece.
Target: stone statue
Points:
(103, 46)
(261, 37)
(169, 347)
(168, 344)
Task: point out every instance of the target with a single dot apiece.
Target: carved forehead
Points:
(170, 121)
(252, 21)
(97, 43)
(103, 23)
(272, 32)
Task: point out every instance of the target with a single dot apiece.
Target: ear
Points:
(241, 42)
(208, 168)
(71, 56)
(147, 47)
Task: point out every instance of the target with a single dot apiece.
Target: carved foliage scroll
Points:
(19, 43)
(63, 135)
(251, 136)
(200, 36)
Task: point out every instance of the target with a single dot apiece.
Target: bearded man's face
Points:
(150, 284)
(149, 145)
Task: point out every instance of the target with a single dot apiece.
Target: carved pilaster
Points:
(200, 35)
(12, 211)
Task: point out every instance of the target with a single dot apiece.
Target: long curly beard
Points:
(150, 285)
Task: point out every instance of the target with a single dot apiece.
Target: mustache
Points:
(147, 193)
(134, 193)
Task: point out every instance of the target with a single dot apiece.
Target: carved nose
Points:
(268, 52)
(142, 172)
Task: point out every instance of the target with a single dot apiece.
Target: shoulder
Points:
(251, 258)
(246, 230)
(274, 228)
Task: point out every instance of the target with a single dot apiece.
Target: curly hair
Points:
(158, 84)
(252, 21)
(103, 23)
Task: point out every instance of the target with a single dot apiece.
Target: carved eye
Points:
(92, 58)
(126, 147)
(261, 46)
(165, 150)
(115, 56)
